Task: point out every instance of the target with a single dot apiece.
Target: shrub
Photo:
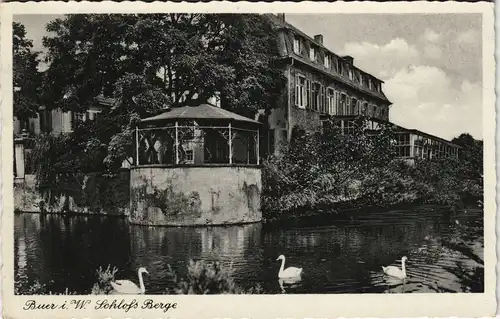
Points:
(104, 279)
(206, 279)
(320, 169)
(37, 288)
(317, 172)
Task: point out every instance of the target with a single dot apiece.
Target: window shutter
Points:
(323, 101)
(308, 94)
(297, 90)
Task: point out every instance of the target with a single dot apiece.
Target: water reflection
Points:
(157, 248)
(64, 252)
(290, 283)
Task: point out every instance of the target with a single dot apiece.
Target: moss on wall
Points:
(91, 194)
(195, 196)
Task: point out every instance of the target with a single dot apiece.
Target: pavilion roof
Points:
(201, 111)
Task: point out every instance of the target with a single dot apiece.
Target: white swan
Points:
(394, 271)
(290, 272)
(128, 287)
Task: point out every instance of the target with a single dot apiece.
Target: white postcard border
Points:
(260, 306)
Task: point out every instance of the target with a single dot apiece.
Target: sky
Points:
(431, 64)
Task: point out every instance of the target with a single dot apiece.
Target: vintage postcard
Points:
(241, 160)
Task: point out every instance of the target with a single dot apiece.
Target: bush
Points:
(104, 279)
(207, 279)
(37, 288)
(317, 170)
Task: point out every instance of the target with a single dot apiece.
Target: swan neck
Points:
(403, 266)
(141, 283)
(282, 264)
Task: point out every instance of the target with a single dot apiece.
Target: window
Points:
(316, 96)
(301, 94)
(340, 67)
(418, 147)
(348, 127)
(354, 106)
(361, 80)
(312, 53)
(351, 77)
(442, 150)
(297, 45)
(342, 106)
(322, 103)
(369, 81)
(189, 156)
(364, 108)
(92, 115)
(45, 121)
(357, 77)
(335, 65)
(330, 101)
(403, 145)
(327, 61)
(347, 108)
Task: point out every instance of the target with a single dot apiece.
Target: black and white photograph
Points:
(251, 153)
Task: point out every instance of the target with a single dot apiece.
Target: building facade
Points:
(322, 84)
(57, 121)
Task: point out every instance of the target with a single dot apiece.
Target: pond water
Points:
(343, 257)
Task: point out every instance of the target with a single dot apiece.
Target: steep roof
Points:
(202, 111)
(286, 51)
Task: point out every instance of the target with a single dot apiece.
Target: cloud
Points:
(468, 37)
(428, 81)
(426, 98)
(433, 51)
(431, 36)
(382, 60)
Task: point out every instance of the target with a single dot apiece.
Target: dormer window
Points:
(334, 64)
(358, 77)
(312, 53)
(326, 62)
(340, 68)
(351, 77)
(297, 45)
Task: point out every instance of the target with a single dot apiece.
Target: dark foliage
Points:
(147, 63)
(318, 172)
(27, 78)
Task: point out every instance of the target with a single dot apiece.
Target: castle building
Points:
(322, 84)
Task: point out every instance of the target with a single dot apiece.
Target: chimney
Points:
(319, 38)
(349, 59)
(281, 17)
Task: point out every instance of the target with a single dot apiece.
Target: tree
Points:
(150, 62)
(26, 78)
(471, 155)
(186, 56)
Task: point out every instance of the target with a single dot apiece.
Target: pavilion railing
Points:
(195, 144)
